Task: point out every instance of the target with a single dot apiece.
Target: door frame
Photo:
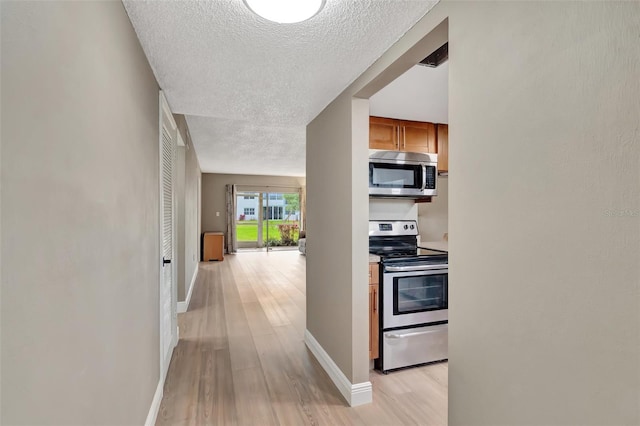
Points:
(236, 214)
(167, 121)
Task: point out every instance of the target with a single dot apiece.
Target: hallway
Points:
(241, 358)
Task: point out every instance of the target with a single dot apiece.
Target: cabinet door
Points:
(213, 247)
(373, 273)
(443, 147)
(418, 137)
(383, 133)
(373, 321)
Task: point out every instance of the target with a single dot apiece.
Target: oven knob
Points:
(412, 226)
(406, 227)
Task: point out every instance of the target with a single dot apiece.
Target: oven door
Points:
(415, 296)
(393, 179)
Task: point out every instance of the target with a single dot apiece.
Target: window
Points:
(249, 197)
(274, 212)
(249, 211)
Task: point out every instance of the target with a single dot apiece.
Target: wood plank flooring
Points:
(241, 358)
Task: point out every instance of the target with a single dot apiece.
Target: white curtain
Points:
(303, 208)
(231, 219)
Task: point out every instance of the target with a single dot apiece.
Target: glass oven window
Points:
(419, 293)
(395, 176)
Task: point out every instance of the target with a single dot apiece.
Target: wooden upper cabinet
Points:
(383, 133)
(399, 135)
(418, 137)
(443, 147)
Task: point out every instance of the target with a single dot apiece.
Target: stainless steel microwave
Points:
(398, 174)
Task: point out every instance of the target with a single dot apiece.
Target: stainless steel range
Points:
(414, 304)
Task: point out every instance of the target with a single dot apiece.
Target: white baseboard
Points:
(157, 397)
(155, 404)
(184, 306)
(358, 394)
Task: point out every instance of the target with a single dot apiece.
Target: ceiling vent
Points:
(436, 58)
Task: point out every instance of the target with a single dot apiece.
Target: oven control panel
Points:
(385, 227)
(381, 228)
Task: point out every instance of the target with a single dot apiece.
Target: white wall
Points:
(337, 235)
(433, 217)
(187, 196)
(392, 209)
(420, 94)
(80, 254)
(192, 213)
(544, 271)
(545, 285)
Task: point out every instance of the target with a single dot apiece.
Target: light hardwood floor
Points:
(241, 358)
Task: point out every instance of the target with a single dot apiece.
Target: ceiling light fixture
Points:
(285, 11)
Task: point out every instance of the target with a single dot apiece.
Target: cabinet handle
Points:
(375, 300)
(404, 138)
(371, 301)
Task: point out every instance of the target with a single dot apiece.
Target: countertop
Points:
(435, 245)
(373, 258)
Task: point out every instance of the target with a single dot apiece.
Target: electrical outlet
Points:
(217, 213)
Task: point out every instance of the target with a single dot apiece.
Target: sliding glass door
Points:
(248, 220)
(267, 219)
(281, 212)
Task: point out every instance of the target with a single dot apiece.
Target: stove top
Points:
(427, 259)
(396, 241)
(392, 253)
(420, 255)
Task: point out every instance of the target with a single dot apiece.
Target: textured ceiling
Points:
(249, 86)
(230, 146)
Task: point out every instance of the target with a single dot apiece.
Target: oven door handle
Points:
(412, 334)
(416, 268)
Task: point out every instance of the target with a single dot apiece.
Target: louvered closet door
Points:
(166, 292)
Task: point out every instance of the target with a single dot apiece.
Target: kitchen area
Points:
(408, 217)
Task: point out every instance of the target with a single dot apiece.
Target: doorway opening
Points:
(267, 220)
(408, 113)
